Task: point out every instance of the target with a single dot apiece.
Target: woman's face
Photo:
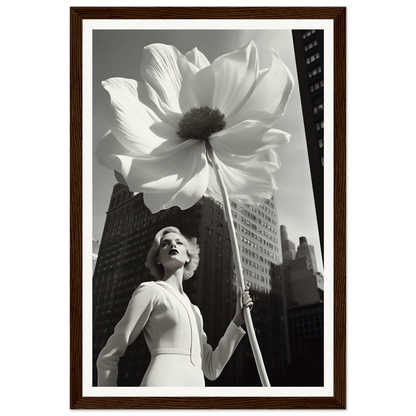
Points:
(172, 251)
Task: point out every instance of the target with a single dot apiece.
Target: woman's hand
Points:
(243, 301)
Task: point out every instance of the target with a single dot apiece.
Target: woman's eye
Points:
(180, 242)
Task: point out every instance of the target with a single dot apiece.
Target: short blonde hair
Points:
(192, 249)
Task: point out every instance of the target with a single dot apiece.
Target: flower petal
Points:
(227, 82)
(197, 58)
(249, 171)
(185, 198)
(247, 138)
(168, 168)
(269, 99)
(248, 185)
(107, 149)
(192, 190)
(131, 122)
(163, 69)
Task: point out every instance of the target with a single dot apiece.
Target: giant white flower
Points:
(160, 130)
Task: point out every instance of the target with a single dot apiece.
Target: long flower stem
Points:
(237, 261)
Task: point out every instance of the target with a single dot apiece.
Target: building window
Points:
(312, 58)
(318, 108)
(319, 125)
(310, 45)
(308, 33)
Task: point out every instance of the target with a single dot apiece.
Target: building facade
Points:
(309, 53)
(304, 287)
(307, 251)
(127, 237)
(306, 338)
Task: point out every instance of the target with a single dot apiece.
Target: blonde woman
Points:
(172, 325)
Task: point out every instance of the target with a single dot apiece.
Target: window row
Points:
(315, 71)
(308, 33)
(317, 109)
(262, 250)
(312, 58)
(310, 45)
(257, 209)
(316, 86)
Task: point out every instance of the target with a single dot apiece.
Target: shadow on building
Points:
(127, 237)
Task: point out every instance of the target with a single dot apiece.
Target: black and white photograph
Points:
(207, 212)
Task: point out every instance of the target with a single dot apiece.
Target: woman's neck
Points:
(174, 279)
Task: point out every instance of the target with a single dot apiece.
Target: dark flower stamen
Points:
(200, 122)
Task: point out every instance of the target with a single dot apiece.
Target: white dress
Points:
(173, 330)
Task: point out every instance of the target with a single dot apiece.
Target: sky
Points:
(117, 53)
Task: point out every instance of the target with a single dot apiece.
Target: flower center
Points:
(200, 122)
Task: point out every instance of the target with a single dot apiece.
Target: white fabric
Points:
(173, 330)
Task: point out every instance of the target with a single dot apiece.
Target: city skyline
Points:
(118, 53)
(129, 230)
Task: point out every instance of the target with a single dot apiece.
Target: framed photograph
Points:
(215, 121)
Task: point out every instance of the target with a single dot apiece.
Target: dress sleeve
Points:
(213, 362)
(125, 332)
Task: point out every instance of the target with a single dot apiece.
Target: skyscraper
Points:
(309, 53)
(303, 283)
(128, 235)
(260, 245)
(288, 247)
(307, 251)
(304, 287)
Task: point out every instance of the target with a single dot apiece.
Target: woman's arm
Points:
(125, 332)
(213, 362)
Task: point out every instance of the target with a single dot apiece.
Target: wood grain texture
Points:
(338, 401)
(340, 208)
(76, 208)
(207, 12)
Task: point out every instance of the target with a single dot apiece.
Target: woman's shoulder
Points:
(148, 288)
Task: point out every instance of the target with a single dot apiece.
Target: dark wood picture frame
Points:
(338, 401)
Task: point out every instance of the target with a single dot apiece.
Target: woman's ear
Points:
(157, 260)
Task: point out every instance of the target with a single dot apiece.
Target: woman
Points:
(172, 325)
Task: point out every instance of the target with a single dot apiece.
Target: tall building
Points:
(127, 237)
(307, 251)
(95, 249)
(288, 247)
(303, 282)
(309, 53)
(304, 287)
(260, 245)
(289, 254)
(306, 338)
